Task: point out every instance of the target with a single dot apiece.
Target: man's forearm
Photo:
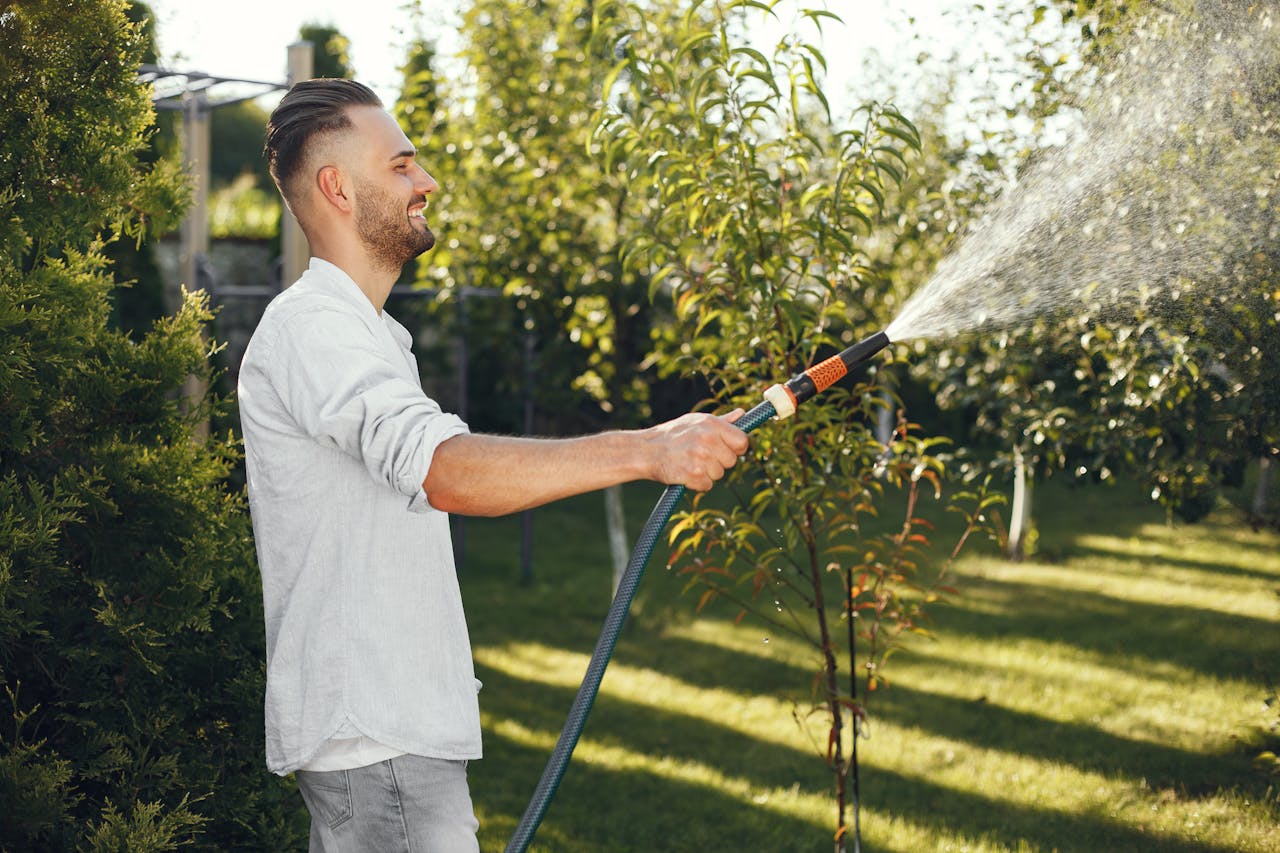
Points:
(496, 475)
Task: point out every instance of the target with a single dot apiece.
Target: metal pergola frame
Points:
(197, 83)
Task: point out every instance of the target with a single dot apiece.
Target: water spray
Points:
(780, 401)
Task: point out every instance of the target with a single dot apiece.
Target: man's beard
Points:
(386, 231)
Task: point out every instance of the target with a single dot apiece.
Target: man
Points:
(371, 697)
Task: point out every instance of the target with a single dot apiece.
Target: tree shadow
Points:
(1208, 641)
(974, 721)
(1084, 747)
(951, 812)
(1226, 567)
(636, 809)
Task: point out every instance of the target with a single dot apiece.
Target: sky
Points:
(248, 38)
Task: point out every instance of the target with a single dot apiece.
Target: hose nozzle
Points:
(820, 377)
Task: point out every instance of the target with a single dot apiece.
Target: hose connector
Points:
(784, 405)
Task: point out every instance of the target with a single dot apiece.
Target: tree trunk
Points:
(885, 420)
(1020, 511)
(1262, 490)
(616, 525)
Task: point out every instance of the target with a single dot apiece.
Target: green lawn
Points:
(1106, 696)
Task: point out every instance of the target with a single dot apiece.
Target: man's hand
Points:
(696, 449)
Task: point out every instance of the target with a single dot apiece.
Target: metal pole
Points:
(295, 253)
(195, 227)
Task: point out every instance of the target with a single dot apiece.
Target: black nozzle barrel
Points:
(864, 349)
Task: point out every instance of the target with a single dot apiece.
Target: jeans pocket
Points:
(327, 795)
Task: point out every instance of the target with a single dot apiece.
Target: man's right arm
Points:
(495, 475)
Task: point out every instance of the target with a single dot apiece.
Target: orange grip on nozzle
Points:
(827, 373)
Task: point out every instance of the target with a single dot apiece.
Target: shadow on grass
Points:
(951, 812)
(1081, 746)
(976, 722)
(1209, 641)
(650, 731)
(1228, 566)
(599, 808)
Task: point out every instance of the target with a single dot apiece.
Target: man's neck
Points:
(375, 282)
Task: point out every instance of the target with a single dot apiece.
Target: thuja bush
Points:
(130, 616)
(758, 201)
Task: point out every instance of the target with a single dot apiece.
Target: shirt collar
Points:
(335, 281)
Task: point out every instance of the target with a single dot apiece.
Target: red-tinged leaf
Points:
(706, 597)
(854, 708)
(738, 619)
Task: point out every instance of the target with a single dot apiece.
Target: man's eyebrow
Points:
(410, 153)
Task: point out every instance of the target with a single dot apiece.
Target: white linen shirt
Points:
(366, 635)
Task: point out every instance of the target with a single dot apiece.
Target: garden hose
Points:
(780, 401)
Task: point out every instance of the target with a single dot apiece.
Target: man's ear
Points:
(333, 187)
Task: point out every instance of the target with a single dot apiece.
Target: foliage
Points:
(130, 629)
(235, 146)
(758, 204)
(528, 214)
(330, 50)
(245, 209)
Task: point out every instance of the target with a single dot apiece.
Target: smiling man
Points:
(371, 697)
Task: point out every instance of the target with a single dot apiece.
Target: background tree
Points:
(759, 203)
(528, 213)
(330, 50)
(1179, 224)
(130, 625)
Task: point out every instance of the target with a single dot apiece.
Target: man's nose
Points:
(426, 183)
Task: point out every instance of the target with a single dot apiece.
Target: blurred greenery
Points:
(131, 647)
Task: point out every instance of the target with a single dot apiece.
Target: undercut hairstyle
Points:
(310, 109)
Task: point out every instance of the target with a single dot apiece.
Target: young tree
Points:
(759, 203)
(130, 623)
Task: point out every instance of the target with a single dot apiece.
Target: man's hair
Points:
(309, 109)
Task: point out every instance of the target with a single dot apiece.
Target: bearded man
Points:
(371, 697)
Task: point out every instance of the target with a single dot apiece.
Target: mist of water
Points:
(1168, 177)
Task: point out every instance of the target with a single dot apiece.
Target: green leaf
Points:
(693, 41)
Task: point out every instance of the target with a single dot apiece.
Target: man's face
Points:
(391, 191)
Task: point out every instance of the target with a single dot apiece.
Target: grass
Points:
(1107, 695)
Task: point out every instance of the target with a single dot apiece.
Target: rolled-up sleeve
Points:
(340, 384)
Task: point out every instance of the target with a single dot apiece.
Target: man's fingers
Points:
(700, 448)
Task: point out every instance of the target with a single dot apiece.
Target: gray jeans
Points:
(409, 803)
